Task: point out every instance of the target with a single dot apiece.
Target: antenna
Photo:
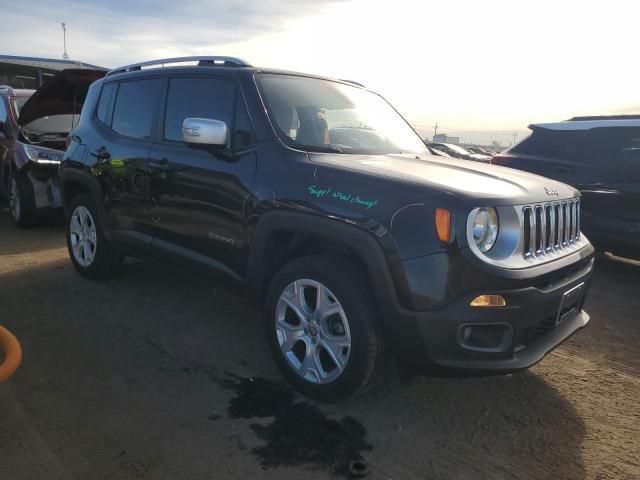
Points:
(64, 39)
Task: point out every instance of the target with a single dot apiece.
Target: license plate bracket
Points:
(569, 303)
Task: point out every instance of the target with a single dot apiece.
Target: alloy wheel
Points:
(15, 205)
(313, 331)
(83, 236)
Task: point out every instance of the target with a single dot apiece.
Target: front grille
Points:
(550, 227)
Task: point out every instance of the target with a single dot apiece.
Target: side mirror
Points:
(205, 132)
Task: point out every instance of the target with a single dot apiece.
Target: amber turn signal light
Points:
(489, 301)
(443, 224)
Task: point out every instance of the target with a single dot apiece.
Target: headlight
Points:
(42, 154)
(485, 228)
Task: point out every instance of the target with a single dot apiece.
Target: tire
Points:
(92, 255)
(21, 201)
(335, 372)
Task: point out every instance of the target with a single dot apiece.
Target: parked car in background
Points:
(457, 151)
(601, 157)
(317, 198)
(33, 136)
(478, 150)
(438, 153)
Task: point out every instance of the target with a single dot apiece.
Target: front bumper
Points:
(46, 186)
(431, 342)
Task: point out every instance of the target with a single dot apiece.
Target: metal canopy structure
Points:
(32, 72)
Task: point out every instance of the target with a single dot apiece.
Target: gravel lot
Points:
(160, 374)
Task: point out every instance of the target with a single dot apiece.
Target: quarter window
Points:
(210, 98)
(105, 100)
(134, 108)
(242, 133)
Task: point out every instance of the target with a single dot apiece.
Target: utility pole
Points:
(435, 131)
(64, 39)
(515, 136)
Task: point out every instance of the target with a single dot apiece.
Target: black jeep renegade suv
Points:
(317, 197)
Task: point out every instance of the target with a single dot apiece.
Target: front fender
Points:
(373, 251)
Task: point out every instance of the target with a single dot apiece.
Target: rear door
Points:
(610, 180)
(126, 117)
(198, 195)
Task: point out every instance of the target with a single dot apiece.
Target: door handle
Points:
(101, 154)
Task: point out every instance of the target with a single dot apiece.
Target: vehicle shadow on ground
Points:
(165, 349)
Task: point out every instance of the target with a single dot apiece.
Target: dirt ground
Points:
(161, 374)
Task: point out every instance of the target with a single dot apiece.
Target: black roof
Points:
(604, 117)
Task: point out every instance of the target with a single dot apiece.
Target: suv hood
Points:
(63, 94)
(492, 184)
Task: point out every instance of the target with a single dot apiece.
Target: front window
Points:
(321, 115)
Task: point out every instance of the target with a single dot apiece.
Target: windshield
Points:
(322, 115)
(18, 102)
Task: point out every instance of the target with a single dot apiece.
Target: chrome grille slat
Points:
(549, 231)
(540, 230)
(550, 228)
(532, 231)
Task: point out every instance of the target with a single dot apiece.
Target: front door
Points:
(197, 195)
(610, 182)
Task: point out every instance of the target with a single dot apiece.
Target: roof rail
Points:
(207, 61)
(7, 87)
(352, 82)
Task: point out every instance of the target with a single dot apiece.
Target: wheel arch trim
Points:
(364, 245)
(69, 176)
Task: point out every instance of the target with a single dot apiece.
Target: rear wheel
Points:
(91, 253)
(322, 327)
(21, 203)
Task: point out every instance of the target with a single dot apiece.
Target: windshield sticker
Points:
(319, 192)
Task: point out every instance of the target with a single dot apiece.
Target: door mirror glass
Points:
(204, 131)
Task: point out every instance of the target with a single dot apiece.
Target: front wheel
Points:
(323, 329)
(21, 203)
(91, 252)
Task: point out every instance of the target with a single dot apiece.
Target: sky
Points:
(479, 69)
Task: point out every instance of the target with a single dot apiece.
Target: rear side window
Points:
(210, 98)
(631, 150)
(105, 100)
(606, 146)
(561, 144)
(135, 107)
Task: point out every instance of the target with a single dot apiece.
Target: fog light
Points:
(486, 337)
(488, 301)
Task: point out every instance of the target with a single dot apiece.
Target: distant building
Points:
(31, 72)
(444, 138)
